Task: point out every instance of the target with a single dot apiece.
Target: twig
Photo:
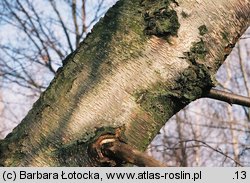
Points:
(65, 30)
(228, 97)
(214, 149)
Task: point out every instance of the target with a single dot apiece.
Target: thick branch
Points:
(115, 149)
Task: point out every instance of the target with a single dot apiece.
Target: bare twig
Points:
(214, 149)
(84, 27)
(245, 37)
(77, 34)
(37, 34)
(100, 4)
(53, 4)
(245, 77)
(228, 97)
(47, 34)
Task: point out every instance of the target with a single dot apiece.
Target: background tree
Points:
(35, 37)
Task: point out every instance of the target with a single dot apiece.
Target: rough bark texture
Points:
(143, 62)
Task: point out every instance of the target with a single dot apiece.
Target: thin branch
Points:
(228, 97)
(73, 9)
(52, 2)
(245, 78)
(245, 37)
(34, 28)
(50, 42)
(214, 149)
(25, 29)
(96, 13)
(183, 155)
(218, 127)
(28, 33)
(83, 17)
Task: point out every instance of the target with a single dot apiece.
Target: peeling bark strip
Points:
(126, 74)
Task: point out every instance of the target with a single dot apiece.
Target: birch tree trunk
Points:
(142, 63)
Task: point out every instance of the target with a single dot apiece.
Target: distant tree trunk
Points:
(143, 62)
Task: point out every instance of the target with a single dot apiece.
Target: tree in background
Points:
(176, 142)
(35, 37)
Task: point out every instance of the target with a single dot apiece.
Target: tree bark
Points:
(142, 63)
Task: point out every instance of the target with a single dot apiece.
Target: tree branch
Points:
(50, 42)
(110, 149)
(84, 27)
(214, 149)
(120, 150)
(77, 34)
(228, 97)
(62, 24)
